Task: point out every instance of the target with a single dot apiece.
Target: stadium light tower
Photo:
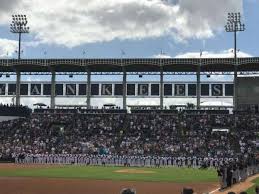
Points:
(19, 26)
(235, 25)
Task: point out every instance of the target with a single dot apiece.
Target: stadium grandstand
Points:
(62, 148)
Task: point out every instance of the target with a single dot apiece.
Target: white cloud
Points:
(207, 54)
(7, 6)
(165, 56)
(72, 23)
(7, 47)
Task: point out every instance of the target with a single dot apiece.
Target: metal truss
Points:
(130, 73)
(116, 63)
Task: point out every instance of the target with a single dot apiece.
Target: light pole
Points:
(234, 25)
(19, 26)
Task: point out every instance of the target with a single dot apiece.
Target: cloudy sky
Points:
(142, 28)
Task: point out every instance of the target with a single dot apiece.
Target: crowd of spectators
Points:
(80, 110)
(131, 134)
(13, 110)
(136, 134)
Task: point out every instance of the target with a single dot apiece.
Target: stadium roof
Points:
(131, 65)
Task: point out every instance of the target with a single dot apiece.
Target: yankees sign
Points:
(110, 89)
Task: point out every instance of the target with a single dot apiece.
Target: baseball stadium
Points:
(125, 125)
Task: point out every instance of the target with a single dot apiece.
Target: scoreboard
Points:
(115, 89)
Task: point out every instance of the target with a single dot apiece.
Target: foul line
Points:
(214, 191)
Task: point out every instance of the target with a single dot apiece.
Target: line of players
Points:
(110, 160)
(230, 170)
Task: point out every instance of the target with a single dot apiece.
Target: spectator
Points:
(187, 191)
(128, 191)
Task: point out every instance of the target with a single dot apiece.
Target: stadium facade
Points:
(124, 67)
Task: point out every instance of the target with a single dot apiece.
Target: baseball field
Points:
(72, 179)
(43, 179)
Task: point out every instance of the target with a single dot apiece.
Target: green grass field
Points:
(252, 189)
(177, 175)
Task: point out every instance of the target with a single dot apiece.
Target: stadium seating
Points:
(130, 134)
(12, 110)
